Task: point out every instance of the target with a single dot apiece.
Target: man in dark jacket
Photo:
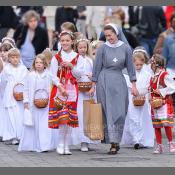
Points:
(65, 14)
(147, 22)
(8, 19)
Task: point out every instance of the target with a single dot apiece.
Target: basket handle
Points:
(81, 77)
(39, 90)
(64, 101)
(17, 85)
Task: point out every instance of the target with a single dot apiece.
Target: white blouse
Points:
(76, 71)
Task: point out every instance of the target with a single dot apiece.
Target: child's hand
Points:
(156, 92)
(89, 76)
(26, 105)
(67, 64)
(134, 90)
(63, 91)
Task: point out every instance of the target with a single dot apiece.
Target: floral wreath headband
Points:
(8, 40)
(94, 43)
(82, 39)
(66, 32)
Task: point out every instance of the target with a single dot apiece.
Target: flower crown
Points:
(94, 43)
(9, 41)
(66, 32)
(82, 39)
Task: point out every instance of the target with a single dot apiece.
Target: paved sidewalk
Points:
(97, 157)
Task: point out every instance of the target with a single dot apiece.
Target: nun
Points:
(111, 58)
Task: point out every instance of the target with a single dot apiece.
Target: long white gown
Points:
(78, 133)
(39, 137)
(2, 88)
(13, 110)
(138, 124)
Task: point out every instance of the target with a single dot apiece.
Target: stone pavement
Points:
(97, 157)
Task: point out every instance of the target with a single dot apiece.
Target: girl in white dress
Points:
(82, 47)
(138, 130)
(38, 137)
(13, 73)
(4, 60)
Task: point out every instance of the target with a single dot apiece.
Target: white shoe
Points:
(158, 149)
(67, 151)
(171, 147)
(15, 142)
(60, 149)
(84, 147)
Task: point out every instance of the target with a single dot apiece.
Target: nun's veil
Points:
(119, 32)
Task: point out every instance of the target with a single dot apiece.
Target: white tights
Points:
(64, 135)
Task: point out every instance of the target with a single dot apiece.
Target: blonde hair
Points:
(78, 35)
(13, 52)
(47, 53)
(43, 58)
(68, 26)
(142, 51)
(30, 14)
(139, 56)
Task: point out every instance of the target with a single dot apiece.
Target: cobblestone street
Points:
(96, 157)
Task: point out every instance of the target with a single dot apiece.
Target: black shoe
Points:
(136, 146)
(114, 149)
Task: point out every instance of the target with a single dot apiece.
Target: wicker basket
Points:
(139, 101)
(84, 86)
(156, 102)
(59, 104)
(42, 102)
(18, 95)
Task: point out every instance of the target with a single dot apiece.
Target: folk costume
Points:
(163, 116)
(68, 79)
(66, 118)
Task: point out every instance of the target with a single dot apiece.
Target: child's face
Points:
(153, 64)
(39, 65)
(66, 42)
(49, 61)
(82, 48)
(4, 55)
(138, 64)
(14, 60)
